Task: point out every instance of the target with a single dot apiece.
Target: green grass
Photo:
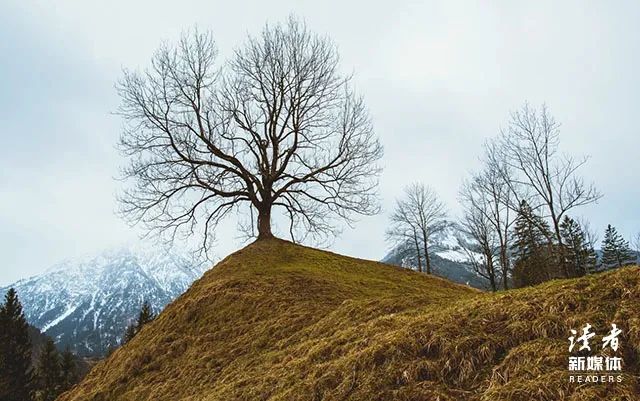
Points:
(276, 321)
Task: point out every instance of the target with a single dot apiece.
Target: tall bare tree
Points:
(420, 214)
(403, 234)
(590, 234)
(479, 241)
(276, 127)
(635, 243)
(491, 194)
(529, 146)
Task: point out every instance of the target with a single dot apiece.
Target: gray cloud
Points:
(440, 77)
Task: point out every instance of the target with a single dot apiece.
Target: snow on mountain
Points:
(87, 303)
(446, 245)
(448, 258)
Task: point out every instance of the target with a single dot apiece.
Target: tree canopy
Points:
(276, 127)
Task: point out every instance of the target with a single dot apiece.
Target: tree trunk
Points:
(426, 251)
(504, 257)
(504, 263)
(415, 238)
(561, 259)
(264, 222)
(491, 271)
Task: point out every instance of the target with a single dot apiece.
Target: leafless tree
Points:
(591, 236)
(419, 215)
(490, 192)
(403, 234)
(635, 243)
(276, 127)
(479, 241)
(529, 146)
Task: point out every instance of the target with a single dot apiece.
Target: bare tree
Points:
(480, 240)
(591, 235)
(403, 234)
(277, 127)
(419, 214)
(491, 194)
(635, 243)
(529, 146)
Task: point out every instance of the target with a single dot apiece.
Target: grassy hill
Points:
(276, 321)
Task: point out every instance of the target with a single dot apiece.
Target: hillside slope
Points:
(276, 321)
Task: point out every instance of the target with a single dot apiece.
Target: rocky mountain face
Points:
(86, 304)
(448, 259)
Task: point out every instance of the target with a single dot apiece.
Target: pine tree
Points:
(49, 372)
(68, 369)
(530, 232)
(15, 351)
(531, 248)
(146, 315)
(615, 249)
(580, 256)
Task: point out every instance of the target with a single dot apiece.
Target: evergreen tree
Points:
(615, 249)
(580, 256)
(531, 248)
(15, 351)
(530, 231)
(146, 315)
(49, 372)
(68, 369)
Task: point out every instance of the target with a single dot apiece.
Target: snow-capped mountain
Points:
(87, 303)
(447, 257)
(447, 246)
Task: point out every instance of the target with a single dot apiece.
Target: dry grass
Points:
(276, 321)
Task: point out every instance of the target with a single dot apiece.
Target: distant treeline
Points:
(518, 225)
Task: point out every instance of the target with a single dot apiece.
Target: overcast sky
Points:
(439, 77)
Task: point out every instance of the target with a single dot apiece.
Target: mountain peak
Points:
(87, 302)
